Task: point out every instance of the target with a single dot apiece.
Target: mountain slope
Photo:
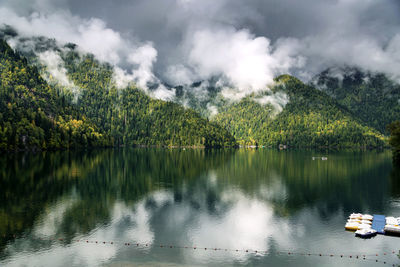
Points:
(310, 119)
(132, 117)
(372, 97)
(34, 114)
(86, 89)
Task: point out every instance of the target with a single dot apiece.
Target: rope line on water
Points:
(356, 256)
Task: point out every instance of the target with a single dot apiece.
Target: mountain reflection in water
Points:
(233, 199)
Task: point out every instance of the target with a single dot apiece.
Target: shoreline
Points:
(74, 149)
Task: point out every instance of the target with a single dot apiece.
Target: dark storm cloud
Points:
(271, 18)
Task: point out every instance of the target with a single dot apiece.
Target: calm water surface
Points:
(276, 202)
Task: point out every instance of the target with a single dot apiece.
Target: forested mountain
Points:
(85, 108)
(200, 96)
(34, 114)
(374, 98)
(394, 129)
(310, 119)
(131, 117)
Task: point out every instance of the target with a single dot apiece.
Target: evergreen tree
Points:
(394, 129)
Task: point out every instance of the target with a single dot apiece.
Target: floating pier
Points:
(378, 223)
(367, 225)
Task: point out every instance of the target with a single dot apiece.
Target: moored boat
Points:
(351, 226)
(366, 221)
(392, 229)
(367, 217)
(364, 226)
(365, 233)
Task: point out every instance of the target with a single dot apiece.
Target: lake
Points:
(162, 207)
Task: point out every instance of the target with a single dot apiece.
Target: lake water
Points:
(275, 202)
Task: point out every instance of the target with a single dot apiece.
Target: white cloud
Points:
(277, 100)
(143, 57)
(56, 70)
(247, 62)
(249, 224)
(244, 63)
(122, 78)
(91, 35)
(180, 74)
(246, 43)
(353, 50)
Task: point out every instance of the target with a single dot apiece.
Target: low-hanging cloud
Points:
(243, 44)
(247, 62)
(56, 71)
(132, 59)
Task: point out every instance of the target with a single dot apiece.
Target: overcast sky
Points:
(247, 42)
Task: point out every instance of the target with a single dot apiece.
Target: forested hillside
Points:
(372, 97)
(310, 119)
(131, 117)
(394, 129)
(36, 115)
(88, 109)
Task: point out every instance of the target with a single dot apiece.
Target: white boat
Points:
(391, 221)
(351, 226)
(364, 226)
(392, 229)
(366, 221)
(354, 221)
(367, 217)
(355, 216)
(366, 233)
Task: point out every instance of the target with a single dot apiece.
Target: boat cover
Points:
(378, 223)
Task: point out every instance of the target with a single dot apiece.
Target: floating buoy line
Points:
(377, 258)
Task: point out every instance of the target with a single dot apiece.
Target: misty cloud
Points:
(57, 71)
(277, 100)
(91, 35)
(333, 32)
(242, 43)
(244, 60)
